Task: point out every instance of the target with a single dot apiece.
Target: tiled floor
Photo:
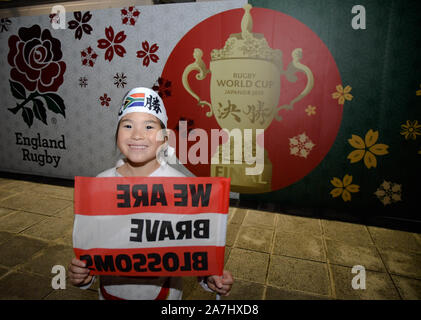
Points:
(271, 255)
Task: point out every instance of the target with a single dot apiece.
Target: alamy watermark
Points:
(59, 280)
(358, 281)
(358, 21)
(241, 146)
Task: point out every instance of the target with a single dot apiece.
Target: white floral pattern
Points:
(389, 192)
(300, 145)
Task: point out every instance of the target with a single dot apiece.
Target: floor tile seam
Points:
(228, 254)
(21, 269)
(330, 238)
(269, 261)
(9, 196)
(7, 187)
(68, 286)
(317, 237)
(237, 235)
(23, 210)
(309, 231)
(412, 234)
(18, 269)
(8, 272)
(60, 194)
(55, 197)
(248, 280)
(40, 195)
(262, 297)
(329, 268)
(36, 213)
(51, 215)
(54, 241)
(398, 249)
(55, 212)
(299, 291)
(49, 294)
(21, 232)
(405, 276)
(379, 256)
(22, 193)
(365, 268)
(9, 214)
(272, 245)
(373, 247)
(250, 249)
(9, 207)
(258, 226)
(33, 256)
(46, 194)
(385, 266)
(254, 250)
(265, 287)
(25, 272)
(271, 253)
(29, 237)
(330, 289)
(298, 258)
(298, 232)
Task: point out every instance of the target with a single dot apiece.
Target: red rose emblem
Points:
(35, 58)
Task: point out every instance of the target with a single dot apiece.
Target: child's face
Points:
(139, 137)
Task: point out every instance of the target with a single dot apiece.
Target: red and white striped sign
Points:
(151, 226)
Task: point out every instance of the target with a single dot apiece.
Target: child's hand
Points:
(78, 273)
(221, 284)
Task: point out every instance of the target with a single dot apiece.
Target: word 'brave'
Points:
(139, 195)
(199, 229)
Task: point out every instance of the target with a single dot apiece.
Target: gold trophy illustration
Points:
(245, 89)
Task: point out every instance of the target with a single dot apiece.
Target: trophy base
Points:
(240, 181)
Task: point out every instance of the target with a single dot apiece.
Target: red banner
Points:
(137, 226)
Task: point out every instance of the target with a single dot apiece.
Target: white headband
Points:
(143, 100)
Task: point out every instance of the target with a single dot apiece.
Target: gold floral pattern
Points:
(367, 149)
(344, 188)
(411, 129)
(310, 110)
(342, 94)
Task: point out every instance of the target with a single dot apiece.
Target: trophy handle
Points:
(292, 68)
(197, 65)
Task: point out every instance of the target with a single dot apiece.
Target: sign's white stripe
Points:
(114, 232)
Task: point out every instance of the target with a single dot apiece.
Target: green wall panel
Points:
(382, 65)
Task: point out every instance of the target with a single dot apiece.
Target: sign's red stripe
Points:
(129, 195)
(165, 261)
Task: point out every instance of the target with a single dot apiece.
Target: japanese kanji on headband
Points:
(150, 226)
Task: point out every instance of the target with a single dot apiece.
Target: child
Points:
(142, 121)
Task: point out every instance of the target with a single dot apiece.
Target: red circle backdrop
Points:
(281, 32)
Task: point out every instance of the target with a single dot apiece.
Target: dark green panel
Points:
(382, 65)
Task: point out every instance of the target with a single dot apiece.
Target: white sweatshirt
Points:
(142, 288)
